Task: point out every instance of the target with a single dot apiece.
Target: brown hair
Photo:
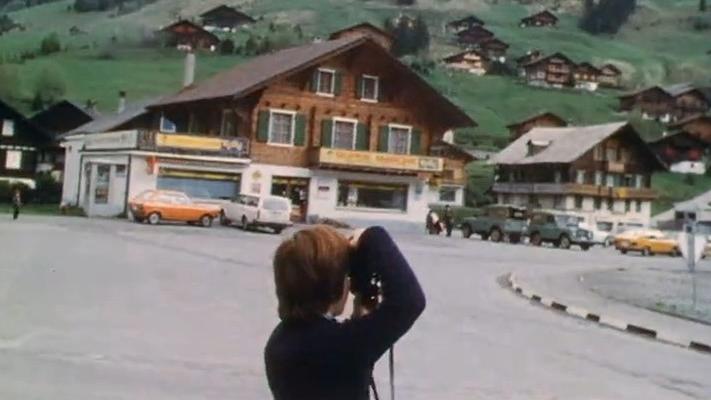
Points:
(309, 272)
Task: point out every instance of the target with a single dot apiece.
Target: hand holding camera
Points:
(365, 282)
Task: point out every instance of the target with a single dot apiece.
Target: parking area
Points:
(108, 309)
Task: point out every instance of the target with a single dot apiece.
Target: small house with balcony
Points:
(698, 126)
(473, 61)
(225, 18)
(474, 35)
(601, 171)
(610, 76)
(465, 23)
(340, 127)
(667, 103)
(555, 70)
(494, 48)
(682, 152)
(25, 148)
(189, 36)
(586, 76)
(539, 20)
(544, 119)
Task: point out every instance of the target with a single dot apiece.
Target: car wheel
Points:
(536, 239)
(585, 247)
(245, 223)
(466, 231)
(496, 235)
(206, 221)
(154, 218)
(646, 252)
(564, 242)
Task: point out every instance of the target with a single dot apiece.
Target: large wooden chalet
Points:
(610, 76)
(494, 48)
(187, 35)
(25, 148)
(586, 76)
(473, 61)
(697, 125)
(682, 152)
(555, 70)
(474, 35)
(541, 120)
(341, 127)
(667, 103)
(465, 23)
(225, 18)
(601, 171)
(538, 20)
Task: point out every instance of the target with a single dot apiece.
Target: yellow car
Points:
(622, 241)
(651, 245)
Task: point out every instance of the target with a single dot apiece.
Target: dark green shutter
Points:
(300, 131)
(314, 81)
(361, 142)
(326, 132)
(360, 86)
(263, 126)
(415, 142)
(383, 139)
(379, 95)
(338, 83)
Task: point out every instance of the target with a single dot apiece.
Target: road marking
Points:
(577, 311)
(614, 323)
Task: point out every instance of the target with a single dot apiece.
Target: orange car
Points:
(651, 245)
(157, 205)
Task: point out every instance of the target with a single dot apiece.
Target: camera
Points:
(365, 282)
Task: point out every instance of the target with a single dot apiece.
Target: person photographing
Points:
(312, 356)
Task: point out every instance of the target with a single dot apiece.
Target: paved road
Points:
(93, 309)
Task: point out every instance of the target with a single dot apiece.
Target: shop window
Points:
(281, 127)
(399, 139)
(13, 159)
(372, 195)
(344, 134)
(326, 82)
(578, 202)
(199, 185)
(121, 171)
(228, 127)
(448, 194)
(101, 187)
(8, 128)
(369, 88)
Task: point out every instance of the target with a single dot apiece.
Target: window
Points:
(228, 127)
(578, 202)
(101, 187)
(598, 203)
(369, 88)
(8, 127)
(344, 134)
(281, 127)
(610, 204)
(598, 153)
(610, 180)
(580, 177)
(611, 154)
(199, 187)
(448, 194)
(399, 139)
(628, 181)
(628, 206)
(598, 178)
(121, 171)
(372, 195)
(638, 206)
(638, 180)
(326, 82)
(13, 159)
(557, 202)
(557, 177)
(167, 125)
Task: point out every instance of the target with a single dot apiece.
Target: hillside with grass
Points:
(101, 53)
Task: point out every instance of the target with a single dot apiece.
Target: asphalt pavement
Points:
(107, 309)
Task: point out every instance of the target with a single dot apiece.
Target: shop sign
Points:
(236, 147)
(111, 140)
(381, 160)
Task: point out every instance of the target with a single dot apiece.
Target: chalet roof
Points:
(611, 67)
(471, 19)
(464, 153)
(367, 25)
(530, 56)
(169, 28)
(22, 120)
(457, 56)
(538, 116)
(108, 122)
(537, 15)
(237, 14)
(477, 28)
(672, 90)
(587, 66)
(688, 120)
(63, 112)
(548, 57)
(562, 145)
(680, 136)
(493, 41)
(259, 72)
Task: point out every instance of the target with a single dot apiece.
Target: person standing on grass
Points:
(16, 203)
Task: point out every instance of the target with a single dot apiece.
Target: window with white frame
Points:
(8, 128)
(448, 194)
(326, 82)
(399, 139)
(13, 159)
(370, 88)
(281, 127)
(344, 134)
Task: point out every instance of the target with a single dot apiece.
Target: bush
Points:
(50, 44)
(227, 47)
(7, 191)
(47, 190)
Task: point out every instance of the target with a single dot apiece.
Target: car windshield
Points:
(568, 220)
(276, 205)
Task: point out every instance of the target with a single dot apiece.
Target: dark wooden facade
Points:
(541, 19)
(553, 70)
(494, 48)
(23, 145)
(698, 126)
(657, 102)
(545, 119)
(465, 23)
(586, 72)
(225, 17)
(474, 35)
(610, 76)
(378, 35)
(680, 146)
(186, 34)
(62, 117)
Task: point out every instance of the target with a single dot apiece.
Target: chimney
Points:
(121, 103)
(189, 76)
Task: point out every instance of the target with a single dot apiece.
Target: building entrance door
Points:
(295, 189)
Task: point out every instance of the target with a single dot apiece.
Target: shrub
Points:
(227, 47)
(47, 190)
(50, 44)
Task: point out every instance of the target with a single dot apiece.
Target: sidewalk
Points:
(571, 289)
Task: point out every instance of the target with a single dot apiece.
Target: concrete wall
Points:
(70, 185)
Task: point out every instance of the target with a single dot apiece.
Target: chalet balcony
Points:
(376, 162)
(192, 144)
(634, 193)
(574, 189)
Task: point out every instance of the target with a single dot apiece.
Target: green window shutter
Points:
(415, 142)
(300, 130)
(359, 85)
(338, 83)
(263, 126)
(380, 96)
(314, 81)
(383, 139)
(361, 142)
(326, 132)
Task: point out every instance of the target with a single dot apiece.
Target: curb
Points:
(605, 320)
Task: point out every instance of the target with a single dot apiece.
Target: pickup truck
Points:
(498, 223)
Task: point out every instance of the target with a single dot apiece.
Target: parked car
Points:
(251, 211)
(649, 245)
(560, 229)
(623, 240)
(155, 206)
(603, 232)
(499, 222)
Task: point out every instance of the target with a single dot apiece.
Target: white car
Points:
(250, 211)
